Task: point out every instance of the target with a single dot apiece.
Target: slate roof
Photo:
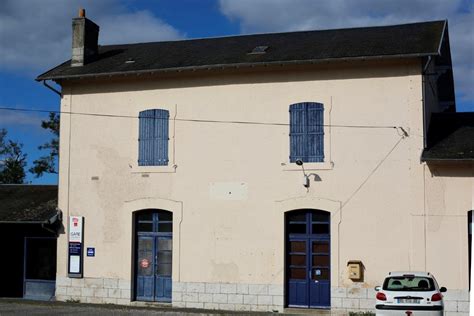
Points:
(450, 137)
(407, 40)
(27, 203)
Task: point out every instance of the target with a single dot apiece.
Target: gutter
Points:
(231, 66)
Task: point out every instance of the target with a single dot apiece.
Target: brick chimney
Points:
(85, 36)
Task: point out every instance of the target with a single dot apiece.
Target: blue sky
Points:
(35, 36)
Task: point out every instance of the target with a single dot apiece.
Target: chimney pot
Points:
(82, 13)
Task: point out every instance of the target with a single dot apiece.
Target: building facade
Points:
(257, 184)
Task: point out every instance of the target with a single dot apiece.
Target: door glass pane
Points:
(163, 269)
(165, 216)
(320, 228)
(165, 244)
(297, 217)
(145, 216)
(145, 227)
(297, 228)
(298, 260)
(145, 257)
(320, 260)
(297, 273)
(320, 246)
(297, 246)
(164, 257)
(320, 217)
(320, 274)
(165, 227)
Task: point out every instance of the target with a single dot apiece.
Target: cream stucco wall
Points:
(380, 196)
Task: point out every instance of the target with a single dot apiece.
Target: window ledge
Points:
(154, 169)
(308, 166)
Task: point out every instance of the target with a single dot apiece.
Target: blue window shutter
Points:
(307, 132)
(153, 138)
(297, 132)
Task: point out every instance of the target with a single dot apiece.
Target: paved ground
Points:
(24, 307)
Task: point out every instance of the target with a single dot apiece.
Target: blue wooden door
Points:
(308, 259)
(154, 253)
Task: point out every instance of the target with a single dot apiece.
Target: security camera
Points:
(299, 162)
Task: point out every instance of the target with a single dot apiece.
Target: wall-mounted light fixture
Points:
(306, 181)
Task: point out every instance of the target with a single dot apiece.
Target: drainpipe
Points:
(52, 88)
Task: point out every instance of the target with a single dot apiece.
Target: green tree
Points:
(47, 163)
(12, 160)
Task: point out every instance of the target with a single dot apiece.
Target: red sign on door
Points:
(144, 263)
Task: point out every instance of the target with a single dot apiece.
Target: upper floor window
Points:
(307, 132)
(153, 138)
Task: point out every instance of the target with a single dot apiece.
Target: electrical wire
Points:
(197, 120)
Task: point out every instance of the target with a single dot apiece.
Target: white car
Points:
(409, 294)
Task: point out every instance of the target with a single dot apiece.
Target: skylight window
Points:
(259, 50)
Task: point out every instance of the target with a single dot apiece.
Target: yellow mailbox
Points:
(356, 270)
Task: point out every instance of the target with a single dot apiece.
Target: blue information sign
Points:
(91, 252)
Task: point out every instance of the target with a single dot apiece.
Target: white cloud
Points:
(36, 35)
(294, 15)
(15, 119)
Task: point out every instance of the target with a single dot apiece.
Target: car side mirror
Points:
(442, 289)
(377, 288)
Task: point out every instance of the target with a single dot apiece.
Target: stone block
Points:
(276, 309)
(87, 292)
(227, 307)
(250, 299)
(350, 303)
(123, 301)
(356, 292)
(278, 300)
(228, 288)
(259, 289)
(451, 306)
(367, 303)
(190, 297)
(177, 296)
(63, 281)
(456, 295)
(125, 284)
(195, 288)
(463, 306)
(94, 282)
(94, 300)
(179, 304)
(126, 294)
(205, 297)
(456, 314)
(264, 300)
(242, 289)
(259, 308)
(336, 302)
(77, 282)
(275, 289)
(111, 283)
(242, 307)
(235, 298)
(194, 305)
(100, 292)
(114, 293)
(338, 292)
(73, 291)
(211, 306)
(219, 298)
(212, 288)
(109, 300)
(61, 290)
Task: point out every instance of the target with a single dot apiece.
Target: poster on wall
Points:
(75, 249)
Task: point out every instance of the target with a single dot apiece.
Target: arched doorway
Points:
(153, 255)
(308, 260)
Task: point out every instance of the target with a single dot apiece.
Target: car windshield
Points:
(409, 283)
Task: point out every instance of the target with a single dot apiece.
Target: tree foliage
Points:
(47, 163)
(12, 160)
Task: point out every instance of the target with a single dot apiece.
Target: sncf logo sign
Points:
(75, 228)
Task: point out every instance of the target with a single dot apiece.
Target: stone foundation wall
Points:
(228, 296)
(94, 290)
(232, 296)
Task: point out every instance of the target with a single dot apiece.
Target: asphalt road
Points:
(21, 307)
